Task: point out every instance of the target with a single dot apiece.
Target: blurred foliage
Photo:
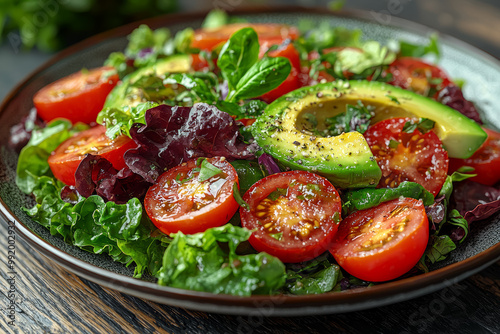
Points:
(53, 24)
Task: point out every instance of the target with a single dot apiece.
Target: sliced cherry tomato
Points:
(78, 97)
(486, 160)
(65, 159)
(294, 214)
(403, 156)
(180, 201)
(384, 242)
(418, 76)
(207, 39)
(292, 82)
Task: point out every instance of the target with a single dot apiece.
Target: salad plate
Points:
(480, 71)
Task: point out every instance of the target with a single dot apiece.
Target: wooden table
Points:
(53, 300)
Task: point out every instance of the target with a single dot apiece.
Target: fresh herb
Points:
(237, 196)
(277, 193)
(316, 276)
(355, 118)
(424, 125)
(208, 171)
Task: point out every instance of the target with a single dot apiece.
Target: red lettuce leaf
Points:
(476, 201)
(173, 135)
(97, 175)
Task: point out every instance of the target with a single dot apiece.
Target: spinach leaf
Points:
(365, 198)
(238, 55)
(318, 276)
(262, 77)
(197, 262)
(200, 87)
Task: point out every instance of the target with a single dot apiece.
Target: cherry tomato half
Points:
(294, 214)
(208, 38)
(78, 97)
(180, 201)
(486, 160)
(65, 159)
(402, 156)
(418, 76)
(384, 242)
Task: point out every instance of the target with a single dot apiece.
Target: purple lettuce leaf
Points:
(96, 175)
(173, 135)
(453, 97)
(270, 166)
(20, 133)
(476, 201)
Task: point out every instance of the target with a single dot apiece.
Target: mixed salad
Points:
(244, 158)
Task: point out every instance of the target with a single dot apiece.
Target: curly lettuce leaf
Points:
(32, 162)
(176, 134)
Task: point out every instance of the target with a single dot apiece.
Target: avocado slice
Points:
(126, 95)
(346, 160)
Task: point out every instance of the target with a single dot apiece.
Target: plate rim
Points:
(353, 300)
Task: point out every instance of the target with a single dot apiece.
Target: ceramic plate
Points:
(481, 71)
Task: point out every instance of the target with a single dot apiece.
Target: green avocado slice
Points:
(346, 160)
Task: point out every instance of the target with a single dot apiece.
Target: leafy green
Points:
(365, 198)
(144, 37)
(200, 87)
(32, 161)
(118, 121)
(355, 118)
(424, 125)
(198, 262)
(318, 276)
(238, 55)
(207, 171)
(264, 76)
(407, 49)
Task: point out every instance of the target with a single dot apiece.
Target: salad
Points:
(245, 158)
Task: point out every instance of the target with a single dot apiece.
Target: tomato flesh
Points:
(78, 97)
(294, 214)
(66, 157)
(417, 157)
(209, 38)
(180, 202)
(384, 242)
(418, 76)
(485, 161)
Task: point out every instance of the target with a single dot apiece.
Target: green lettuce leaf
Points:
(198, 262)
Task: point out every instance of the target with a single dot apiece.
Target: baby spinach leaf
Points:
(264, 76)
(238, 55)
(365, 198)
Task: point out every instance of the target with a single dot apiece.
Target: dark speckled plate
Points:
(481, 249)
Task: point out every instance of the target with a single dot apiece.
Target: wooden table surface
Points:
(53, 300)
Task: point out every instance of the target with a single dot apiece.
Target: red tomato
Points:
(292, 82)
(418, 76)
(486, 160)
(207, 39)
(294, 214)
(180, 201)
(384, 242)
(65, 159)
(402, 156)
(78, 97)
